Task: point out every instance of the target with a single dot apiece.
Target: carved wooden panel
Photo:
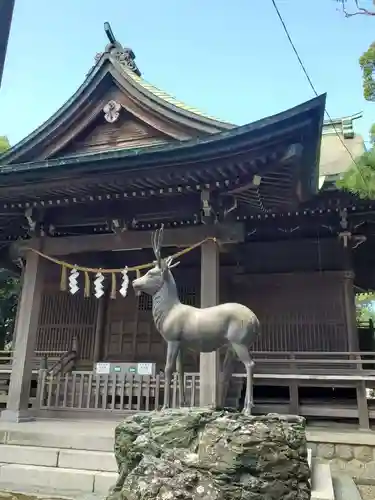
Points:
(126, 132)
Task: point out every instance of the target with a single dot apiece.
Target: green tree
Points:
(367, 63)
(9, 293)
(9, 289)
(360, 177)
(352, 8)
(365, 306)
(4, 144)
(372, 135)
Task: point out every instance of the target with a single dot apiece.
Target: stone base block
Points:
(49, 478)
(28, 455)
(322, 481)
(59, 440)
(16, 416)
(211, 454)
(104, 481)
(87, 460)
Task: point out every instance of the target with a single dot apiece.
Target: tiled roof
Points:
(164, 95)
(335, 158)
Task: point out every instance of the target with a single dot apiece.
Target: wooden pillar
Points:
(349, 299)
(17, 312)
(27, 325)
(209, 362)
(100, 327)
(350, 312)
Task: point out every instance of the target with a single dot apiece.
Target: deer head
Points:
(155, 278)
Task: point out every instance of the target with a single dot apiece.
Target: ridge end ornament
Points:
(124, 55)
(112, 111)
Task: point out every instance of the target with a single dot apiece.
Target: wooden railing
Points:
(314, 363)
(41, 359)
(66, 363)
(83, 390)
(366, 324)
(87, 393)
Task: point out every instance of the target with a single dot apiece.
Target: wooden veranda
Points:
(85, 394)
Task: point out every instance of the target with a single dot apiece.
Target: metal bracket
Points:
(30, 220)
(345, 237)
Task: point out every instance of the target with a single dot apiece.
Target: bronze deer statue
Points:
(203, 329)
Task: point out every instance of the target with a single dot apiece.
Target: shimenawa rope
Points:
(113, 272)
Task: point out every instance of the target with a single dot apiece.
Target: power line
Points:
(303, 67)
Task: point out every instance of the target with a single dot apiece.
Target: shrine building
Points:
(80, 197)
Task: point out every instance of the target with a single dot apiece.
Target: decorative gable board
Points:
(125, 133)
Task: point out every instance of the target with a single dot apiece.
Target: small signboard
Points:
(145, 368)
(102, 368)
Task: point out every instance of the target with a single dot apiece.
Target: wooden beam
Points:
(130, 240)
(181, 206)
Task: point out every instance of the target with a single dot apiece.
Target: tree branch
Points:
(361, 11)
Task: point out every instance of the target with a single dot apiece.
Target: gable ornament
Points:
(112, 111)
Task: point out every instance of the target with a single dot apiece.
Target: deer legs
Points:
(173, 349)
(226, 375)
(244, 356)
(181, 377)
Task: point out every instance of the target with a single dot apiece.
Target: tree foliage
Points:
(9, 289)
(352, 8)
(365, 307)
(4, 144)
(9, 293)
(367, 63)
(359, 179)
(372, 135)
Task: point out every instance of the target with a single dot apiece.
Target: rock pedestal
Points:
(200, 454)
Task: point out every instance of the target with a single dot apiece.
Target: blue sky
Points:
(231, 59)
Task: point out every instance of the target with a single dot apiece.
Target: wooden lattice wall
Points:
(130, 334)
(64, 316)
(298, 312)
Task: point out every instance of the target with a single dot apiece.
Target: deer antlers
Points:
(156, 242)
(168, 262)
